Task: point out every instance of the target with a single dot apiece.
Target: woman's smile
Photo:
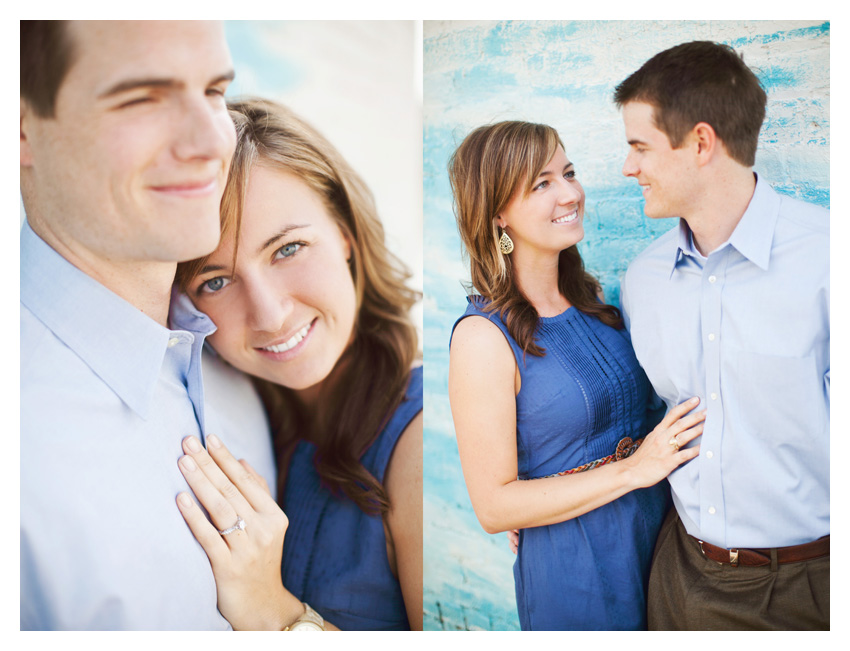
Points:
(293, 345)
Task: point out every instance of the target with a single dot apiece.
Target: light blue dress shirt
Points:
(747, 330)
(107, 395)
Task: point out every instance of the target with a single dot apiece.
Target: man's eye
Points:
(135, 102)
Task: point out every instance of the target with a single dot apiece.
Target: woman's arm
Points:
(403, 482)
(482, 372)
(246, 563)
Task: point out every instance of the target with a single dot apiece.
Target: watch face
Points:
(306, 626)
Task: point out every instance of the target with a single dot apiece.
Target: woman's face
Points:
(550, 217)
(286, 312)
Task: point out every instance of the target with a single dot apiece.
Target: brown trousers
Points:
(688, 592)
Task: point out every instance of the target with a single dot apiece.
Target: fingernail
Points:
(212, 439)
(184, 500)
(193, 444)
(188, 464)
(694, 400)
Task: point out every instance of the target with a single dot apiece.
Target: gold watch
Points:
(309, 621)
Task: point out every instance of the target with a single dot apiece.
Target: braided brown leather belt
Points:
(626, 447)
(756, 557)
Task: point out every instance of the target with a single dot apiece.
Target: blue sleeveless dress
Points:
(575, 403)
(334, 555)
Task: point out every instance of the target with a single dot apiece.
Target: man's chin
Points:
(653, 213)
(191, 244)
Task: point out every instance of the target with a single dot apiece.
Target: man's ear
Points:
(704, 138)
(26, 116)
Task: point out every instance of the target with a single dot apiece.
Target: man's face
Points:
(133, 165)
(666, 175)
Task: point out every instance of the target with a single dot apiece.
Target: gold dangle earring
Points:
(506, 244)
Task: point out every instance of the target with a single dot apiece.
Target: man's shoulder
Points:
(44, 355)
(803, 216)
(224, 384)
(657, 256)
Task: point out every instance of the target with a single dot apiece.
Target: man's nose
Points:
(629, 167)
(205, 130)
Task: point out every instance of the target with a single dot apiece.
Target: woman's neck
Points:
(537, 277)
(312, 398)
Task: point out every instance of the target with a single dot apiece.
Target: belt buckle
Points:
(733, 554)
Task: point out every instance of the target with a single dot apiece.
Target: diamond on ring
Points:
(674, 442)
(239, 526)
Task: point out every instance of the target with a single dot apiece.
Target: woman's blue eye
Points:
(288, 250)
(214, 284)
(541, 185)
(570, 175)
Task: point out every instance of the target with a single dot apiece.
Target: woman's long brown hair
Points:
(491, 165)
(371, 377)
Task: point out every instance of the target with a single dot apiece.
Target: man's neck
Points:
(144, 284)
(720, 207)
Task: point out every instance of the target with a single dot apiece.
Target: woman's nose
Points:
(570, 193)
(269, 308)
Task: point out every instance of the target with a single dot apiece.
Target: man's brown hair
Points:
(697, 82)
(46, 57)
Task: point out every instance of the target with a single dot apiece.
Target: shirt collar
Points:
(117, 341)
(183, 315)
(752, 237)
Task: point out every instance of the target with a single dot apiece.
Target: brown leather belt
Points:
(755, 557)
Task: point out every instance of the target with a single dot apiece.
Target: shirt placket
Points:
(712, 508)
(180, 355)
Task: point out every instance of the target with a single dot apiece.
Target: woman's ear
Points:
(347, 250)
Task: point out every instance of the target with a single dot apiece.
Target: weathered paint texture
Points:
(564, 74)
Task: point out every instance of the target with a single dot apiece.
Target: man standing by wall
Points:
(731, 306)
(125, 148)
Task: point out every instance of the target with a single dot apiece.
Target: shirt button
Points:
(714, 396)
(709, 454)
(712, 279)
(173, 342)
(711, 510)
(711, 337)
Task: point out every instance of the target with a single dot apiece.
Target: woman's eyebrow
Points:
(545, 173)
(211, 267)
(283, 233)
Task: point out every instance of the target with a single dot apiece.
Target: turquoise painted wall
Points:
(563, 74)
